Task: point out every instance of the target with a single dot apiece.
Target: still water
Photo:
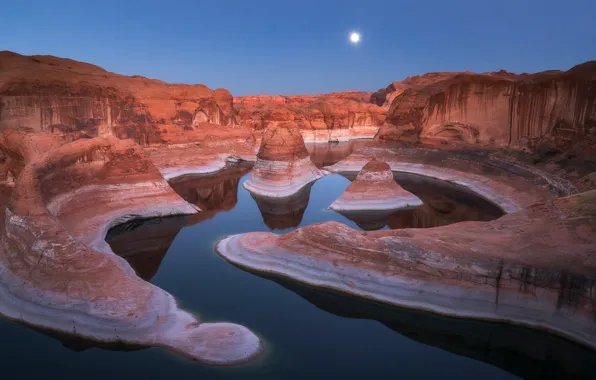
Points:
(307, 333)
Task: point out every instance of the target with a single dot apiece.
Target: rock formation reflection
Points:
(528, 353)
(283, 213)
(369, 220)
(443, 204)
(330, 153)
(144, 243)
(211, 193)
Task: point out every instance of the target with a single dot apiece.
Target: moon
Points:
(355, 38)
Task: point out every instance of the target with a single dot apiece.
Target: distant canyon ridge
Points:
(76, 100)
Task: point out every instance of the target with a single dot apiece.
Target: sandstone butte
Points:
(68, 174)
(375, 189)
(283, 164)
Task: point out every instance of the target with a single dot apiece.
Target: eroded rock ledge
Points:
(58, 273)
(508, 184)
(535, 267)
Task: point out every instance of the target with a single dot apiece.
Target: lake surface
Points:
(308, 333)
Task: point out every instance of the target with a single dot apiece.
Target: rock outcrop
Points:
(384, 97)
(499, 270)
(501, 110)
(283, 164)
(57, 272)
(375, 189)
(328, 117)
(209, 156)
(443, 204)
(78, 100)
(507, 184)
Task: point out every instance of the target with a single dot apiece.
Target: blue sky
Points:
(301, 47)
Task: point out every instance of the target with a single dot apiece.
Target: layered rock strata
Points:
(207, 157)
(501, 110)
(508, 184)
(283, 165)
(328, 117)
(533, 267)
(58, 273)
(79, 100)
(375, 189)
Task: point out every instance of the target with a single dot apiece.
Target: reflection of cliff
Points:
(326, 154)
(528, 353)
(283, 213)
(437, 212)
(330, 153)
(144, 243)
(211, 193)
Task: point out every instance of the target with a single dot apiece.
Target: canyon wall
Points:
(78, 100)
(334, 116)
(75, 100)
(501, 110)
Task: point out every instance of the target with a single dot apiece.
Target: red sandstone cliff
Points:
(501, 110)
(344, 111)
(79, 100)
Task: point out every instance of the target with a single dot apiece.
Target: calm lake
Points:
(308, 333)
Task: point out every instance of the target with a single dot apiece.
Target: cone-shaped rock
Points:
(283, 164)
(374, 190)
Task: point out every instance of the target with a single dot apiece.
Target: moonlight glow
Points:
(354, 37)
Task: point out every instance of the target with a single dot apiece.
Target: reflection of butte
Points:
(283, 213)
(211, 193)
(368, 220)
(531, 354)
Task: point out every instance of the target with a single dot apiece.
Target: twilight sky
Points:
(301, 46)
